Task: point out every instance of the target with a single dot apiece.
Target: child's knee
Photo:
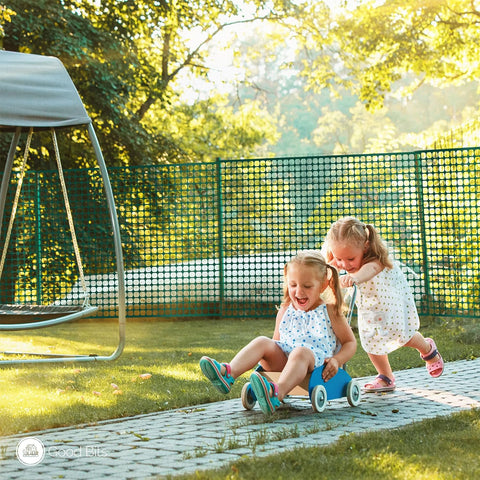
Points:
(302, 354)
(263, 345)
(262, 340)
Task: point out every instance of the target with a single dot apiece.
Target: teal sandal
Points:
(212, 370)
(261, 388)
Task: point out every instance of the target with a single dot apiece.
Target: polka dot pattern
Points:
(312, 329)
(387, 315)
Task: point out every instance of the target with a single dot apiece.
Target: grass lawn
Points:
(159, 370)
(444, 448)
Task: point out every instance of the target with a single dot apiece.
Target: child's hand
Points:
(330, 369)
(346, 281)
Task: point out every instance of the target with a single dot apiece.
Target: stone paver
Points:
(206, 436)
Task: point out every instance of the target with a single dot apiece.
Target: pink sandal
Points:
(435, 369)
(378, 387)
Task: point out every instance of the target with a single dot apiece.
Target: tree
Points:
(124, 57)
(331, 130)
(371, 45)
(212, 128)
(364, 132)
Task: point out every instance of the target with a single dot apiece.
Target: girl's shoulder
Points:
(374, 262)
(283, 309)
(333, 315)
(393, 275)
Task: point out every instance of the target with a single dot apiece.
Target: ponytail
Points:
(334, 284)
(376, 248)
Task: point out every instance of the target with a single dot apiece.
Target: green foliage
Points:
(281, 67)
(376, 44)
(101, 66)
(124, 57)
(130, 61)
(211, 128)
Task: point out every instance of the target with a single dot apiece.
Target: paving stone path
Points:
(206, 436)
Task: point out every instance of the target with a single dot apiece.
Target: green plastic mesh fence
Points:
(211, 239)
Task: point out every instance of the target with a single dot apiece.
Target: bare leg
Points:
(382, 365)
(419, 343)
(300, 362)
(259, 349)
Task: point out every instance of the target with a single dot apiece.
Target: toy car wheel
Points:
(248, 398)
(353, 393)
(319, 398)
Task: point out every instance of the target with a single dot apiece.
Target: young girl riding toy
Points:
(308, 333)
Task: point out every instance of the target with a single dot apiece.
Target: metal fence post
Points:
(38, 236)
(221, 256)
(423, 230)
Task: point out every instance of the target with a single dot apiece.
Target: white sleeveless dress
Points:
(387, 315)
(312, 329)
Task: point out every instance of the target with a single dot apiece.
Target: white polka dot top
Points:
(312, 329)
(387, 315)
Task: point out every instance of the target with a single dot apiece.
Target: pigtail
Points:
(377, 249)
(334, 284)
(286, 297)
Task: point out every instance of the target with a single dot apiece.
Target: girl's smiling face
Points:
(348, 257)
(305, 286)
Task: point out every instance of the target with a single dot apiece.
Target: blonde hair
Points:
(353, 231)
(313, 258)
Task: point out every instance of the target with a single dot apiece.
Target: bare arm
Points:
(347, 340)
(280, 313)
(365, 273)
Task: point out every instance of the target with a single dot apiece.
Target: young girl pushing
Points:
(308, 333)
(387, 315)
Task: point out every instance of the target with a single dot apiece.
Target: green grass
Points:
(441, 449)
(35, 397)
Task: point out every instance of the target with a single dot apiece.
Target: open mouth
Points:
(302, 301)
